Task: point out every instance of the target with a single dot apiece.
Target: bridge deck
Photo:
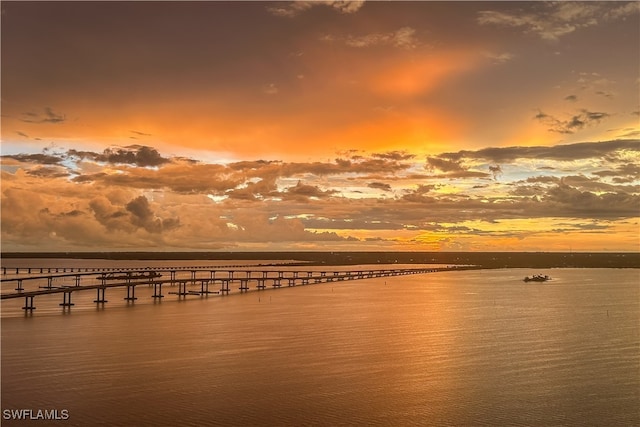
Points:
(261, 277)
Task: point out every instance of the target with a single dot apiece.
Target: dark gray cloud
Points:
(605, 94)
(462, 174)
(590, 226)
(379, 185)
(496, 171)
(47, 116)
(43, 159)
(140, 133)
(581, 182)
(394, 155)
(140, 156)
(136, 214)
(452, 167)
(567, 152)
(303, 191)
(629, 133)
(48, 172)
(570, 201)
(627, 172)
(572, 125)
(553, 20)
(572, 98)
(316, 201)
(445, 165)
(132, 155)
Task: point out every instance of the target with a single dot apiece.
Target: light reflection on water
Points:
(455, 348)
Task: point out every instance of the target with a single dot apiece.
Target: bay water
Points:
(463, 348)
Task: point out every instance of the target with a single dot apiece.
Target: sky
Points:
(326, 125)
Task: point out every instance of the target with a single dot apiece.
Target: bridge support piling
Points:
(28, 303)
(19, 288)
(66, 299)
(157, 290)
(204, 287)
(182, 288)
(224, 289)
(100, 296)
(131, 293)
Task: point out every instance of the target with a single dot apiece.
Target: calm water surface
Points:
(457, 348)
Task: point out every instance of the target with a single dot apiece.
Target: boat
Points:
(537, 278)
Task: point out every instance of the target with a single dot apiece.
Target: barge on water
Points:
(537, 278)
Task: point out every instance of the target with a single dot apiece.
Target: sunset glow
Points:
(457, 126)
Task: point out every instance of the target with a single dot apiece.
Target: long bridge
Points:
(201, 281)
(90, 270)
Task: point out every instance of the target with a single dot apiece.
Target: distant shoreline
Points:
(484, 259)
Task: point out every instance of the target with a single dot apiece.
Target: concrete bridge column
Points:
(182, 288)
(157, 291)
(100, 295)
(131, 293)
(66, 299)
(224, 286)
(28, 303)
